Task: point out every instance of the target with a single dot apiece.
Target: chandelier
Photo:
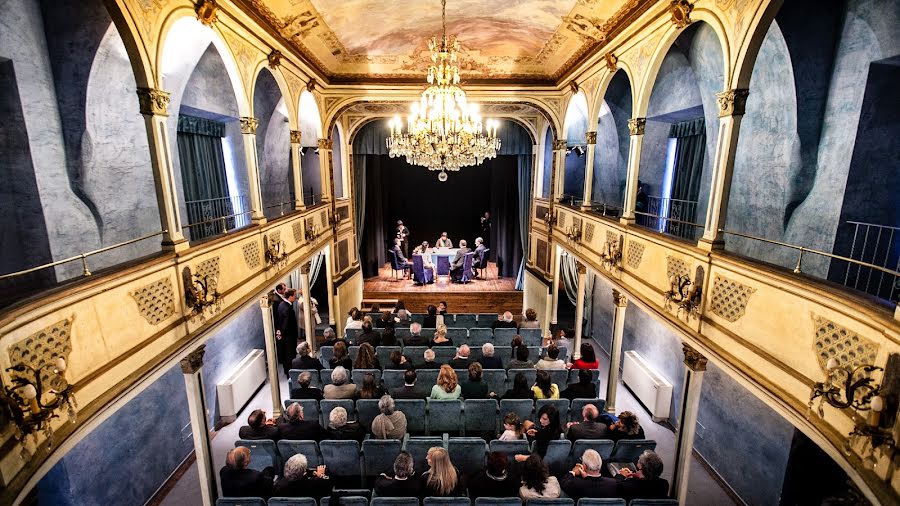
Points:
(444, 131)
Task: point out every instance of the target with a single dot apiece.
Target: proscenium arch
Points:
(309, 119)
(354, 131)
(262, 66)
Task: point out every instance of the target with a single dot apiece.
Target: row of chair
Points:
(431, 416)
(361, 500)
(442, 354)
(349, 460)
(475, 336)
(465, 320)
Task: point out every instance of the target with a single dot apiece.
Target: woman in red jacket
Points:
(588, 358)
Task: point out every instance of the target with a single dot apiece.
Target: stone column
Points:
(248, 128)
(265, 305)
(329, 282)
(192, 366)
(559, 168)
(297, 170)
(325, 168)
(695, 365)
(589, 170)
(636, 129)
(615, 349)
(308, 326)
(579, 308)
(554, 297)
(154, 106)
(731, 110)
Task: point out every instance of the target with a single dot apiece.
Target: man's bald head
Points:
(590, 413)
(464, 351)
(238, 458)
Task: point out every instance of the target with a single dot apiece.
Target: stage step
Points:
(457, 302)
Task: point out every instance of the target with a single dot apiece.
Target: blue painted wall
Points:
(273, 140)
(611, 155)
(548, 165)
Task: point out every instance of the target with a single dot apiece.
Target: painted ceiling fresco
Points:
(388, 39)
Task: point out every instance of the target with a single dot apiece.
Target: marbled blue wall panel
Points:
(337, 162)
(312, 177)
(547, 189)
(611, 161)
(573, 184)
(272, 144)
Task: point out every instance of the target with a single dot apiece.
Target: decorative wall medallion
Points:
(636, 126)
(209, 270)
(207, 11)
(275, 58)
(252, 255)
(681, 13)
(729, 298)
(676, 267)
(589, 232)
(844, 345)
(635, 252)
(41, 349)
(248, 125)
(156, 301)
(297, 230)
(612, 62)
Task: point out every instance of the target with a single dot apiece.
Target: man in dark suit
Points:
(486, 227)
(415, 336)
(298, 480)
(293, 426)
(303, 360)
(402, 261)
(645, 483)
(258, 427)
(403, 235)
(286, 334)
(429, 360)
(456, 266)
(409, 389)
(588, 427)
(584, 389)
(238, 480)
(584, 479)
(461, 360)
(479, 249)
(303, 390)
(506, 322)
(403, 483)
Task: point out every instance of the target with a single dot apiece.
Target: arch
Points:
(263, 66)
(747, 53)
(309, 119)
(273, 152)
(339, 151)
(614, 108)
(137, 52)
(575, 124)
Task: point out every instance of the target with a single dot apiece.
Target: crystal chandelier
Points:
(444, 131)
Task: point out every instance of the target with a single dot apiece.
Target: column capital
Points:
(693, 359)
(305, 267)
(153, 102)
(619, 298)
(732, 102)
(591, 137)
(325, 143)
(296, 135)
(193, 361)
(582, 269)
(248, 125)
(636, 126)
(559, 144)
(265, 302)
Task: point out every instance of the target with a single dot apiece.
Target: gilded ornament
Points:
(612, 62)
(681, 13)
(153, 102)
(248, 125)
(574, 87)
(732, 102)
(693, 359)
(636, 126)
(559, 144)
(296, 135)
(591, 137)
(275, 58)
(325, 143)
(619, 298)
(193, 362)
(207, 11)
(304, 268)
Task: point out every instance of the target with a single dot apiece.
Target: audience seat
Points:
(287, 448)
(418, 448)
(262, 453)
(293, 374)
(532, 337)
(352, 334)
(654, 502)
(240, 501)
(510, 448)
(428, 333)
(326, 405)
(427, 378)
(498, 501)
(467, 453)
(444, 416)
(444, 354)
(495, 379)
(560, 377)
(353, 351)
(341, 458)
(402, 332)
(480, 416)
(366, 411)
(573, 375)
(465, 321)
(562, 501)
(384, 353)
(325, 376)
(487, 319)
(603, 446)
(349, 500)
(558, 456)
(524, 408)
(393, 378)
(417, 318)
(606, 501)
(479, 336)
(530, 375)
(394, 501)
(293, 501)
(458, 335)
(503, 337)
(378, 456)
(416, 354)
(629, 450)
(446, 501)
(561, 405)
(325, 354)
(415, 410)
(577, 406)
(358, 374)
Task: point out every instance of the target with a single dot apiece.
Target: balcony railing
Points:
(604, 209)
(570, 200)
(670, 216)
(212, 217)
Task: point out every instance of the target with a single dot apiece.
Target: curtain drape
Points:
(315, 266)
(203, 175)
(526, 163)
(569, 276)
(689, 154)
(359, 198)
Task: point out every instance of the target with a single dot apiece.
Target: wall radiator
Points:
(239, 386)
(648, 386)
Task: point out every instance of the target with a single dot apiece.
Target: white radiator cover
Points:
(647, 384)
(239, 386)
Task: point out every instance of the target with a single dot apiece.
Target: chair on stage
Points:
(421, 275)
(467, 273)
(482, 263)
(395, 264)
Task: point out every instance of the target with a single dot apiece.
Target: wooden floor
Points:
(481, 295)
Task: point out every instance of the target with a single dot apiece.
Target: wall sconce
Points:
(27, 405)
(276, 253)
(611, 257)
(312, 232)
(685, 294)
(333, 221)
(201, 295)
(550, 219)
(573, 233)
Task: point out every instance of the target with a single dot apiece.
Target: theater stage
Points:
(479, 296)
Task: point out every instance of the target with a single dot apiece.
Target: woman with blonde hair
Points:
(442, 479)
(447, 387)
(440, 337)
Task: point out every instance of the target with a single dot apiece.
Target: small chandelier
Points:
(444, 131)
(33, 399)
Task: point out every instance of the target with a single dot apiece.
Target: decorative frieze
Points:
(729, 298)
(732, 102)
(636, 126)
(156, 301)
(842, 344)
(40, 351)
(634, 255)
(248, 125)
(252, 255)
(153, 102)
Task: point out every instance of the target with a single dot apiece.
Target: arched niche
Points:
(613, 138)
(575, 129)
(310, 125)
(273, 146)
(337, 163)
(546, 179)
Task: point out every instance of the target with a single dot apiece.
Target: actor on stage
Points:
(402, 234)
(486, 228)
(444, 241)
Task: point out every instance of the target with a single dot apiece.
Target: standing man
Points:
(486, 228)
(402, 234)
(286, 334)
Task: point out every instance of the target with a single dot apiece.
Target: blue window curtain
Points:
(203, 173)
(689, 154)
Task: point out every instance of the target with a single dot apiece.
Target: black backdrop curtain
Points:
(689, 153)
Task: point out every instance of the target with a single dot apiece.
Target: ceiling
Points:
(525, 40)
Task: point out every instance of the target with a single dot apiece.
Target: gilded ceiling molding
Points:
(636, 126)
(732, 102)
(207, 11)
(248, 125)
(153, 102)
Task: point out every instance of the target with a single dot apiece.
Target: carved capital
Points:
(296, 135)
(681, 13)
(591, 137)
(574, 87)
(193, 361)
(207, 11)
(153, 102)
(582, 269)
(612, 62)
(619, 298)
(636, 126)
(732, 102)
(559, 144)
(325, 143)
(311, 85)
(693, 359)
(275, 58)
(265, 302)
(248, 125)
(305, 267)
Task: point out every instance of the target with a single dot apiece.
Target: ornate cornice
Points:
(248, 125)
(732, 102)
(153, 102)
(636, 126)
(559, 144)
(693, 359)
(619, 298)
(591, 137)
(296, 135)
(207, 11)
(193, 362)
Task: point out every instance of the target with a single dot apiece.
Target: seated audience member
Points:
(536, 480)
(512, 428)
(376, 308)
(401, 315)
(461, 360)
(298, 480)
(330, 337)
(584, 479)
(366, 358)
(340, 387)
(447, 387)
(442, 479)
(443, 241)
(456, 265)
(409, 390)
(531, 321)
(440, 337)
(627, 427)
(430, 320)
(386, 321)
(341, 357)
(340, 428)
(389, 337)
(442, 308)
(303, 360)
(370, 388)
(475, 388)
(521, 361)
(589, 427)
(429, 360)
(398, 362)
(390, 424)
(303, 390)
(584, 389)
(354, 320)
(543, 388)
(415, 336)
(488, 360)
(293, 426)
(545, 430)
(520, 389)
(351, 316)
(646, 482)
(238, 480)
(259, 427)
(551, 361)
(588, 358)
(403, 482)
(368, 336)
(497, 479)
(506, 322)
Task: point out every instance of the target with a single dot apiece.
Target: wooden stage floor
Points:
(479, 296)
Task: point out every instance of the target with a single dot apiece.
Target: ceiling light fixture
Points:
(444, 131)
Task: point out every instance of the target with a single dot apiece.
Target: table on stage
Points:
(441, 257)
